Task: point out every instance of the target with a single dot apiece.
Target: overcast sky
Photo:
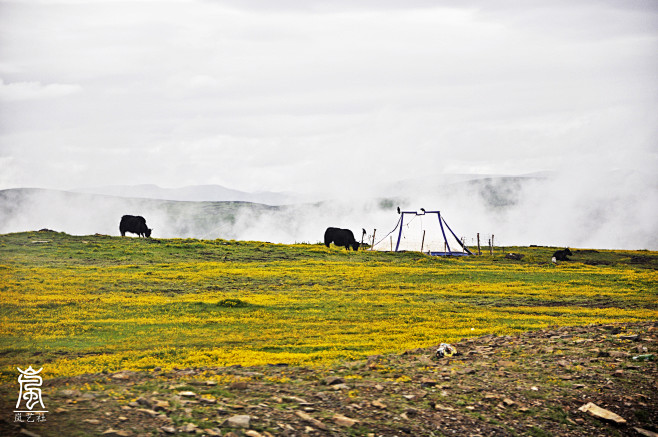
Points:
(323, 95)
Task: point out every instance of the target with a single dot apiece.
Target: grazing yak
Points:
(561, 255)
(340, 237)
(135, 225)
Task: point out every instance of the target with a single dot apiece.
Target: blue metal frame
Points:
(441, 223)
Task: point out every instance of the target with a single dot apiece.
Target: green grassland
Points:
(87, 304)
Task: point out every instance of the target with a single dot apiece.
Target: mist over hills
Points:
(500, 188)
(196, 193)
(608, 212)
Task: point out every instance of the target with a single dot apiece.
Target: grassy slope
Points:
(96, 303)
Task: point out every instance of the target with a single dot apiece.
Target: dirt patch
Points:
(529, 384)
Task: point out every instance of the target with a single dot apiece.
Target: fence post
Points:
(479, 250)
(422, 243)
(374, 231)
(490, 248)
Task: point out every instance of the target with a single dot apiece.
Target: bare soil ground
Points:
(532, 384)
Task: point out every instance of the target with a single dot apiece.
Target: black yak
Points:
(135, 225)
(340, 237)
(561, 255)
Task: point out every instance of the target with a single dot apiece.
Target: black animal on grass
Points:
(561, 255)
(340, 237)
(135, 225)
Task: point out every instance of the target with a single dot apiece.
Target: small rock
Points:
(145, 402)
(116, 433)
(151, 413)
(252, 433)
(411, 412)
(240, 385)
(299, 400)
(187, 394)
(508, 402)
(379, 404)
(646, 432)
(161, 406)
(333, 380)
(601, 413)
(341, 387)
(619, 354)
(347, 422)
(168, 429)
(427, 382)
(239, 421)
(190, 427)
(634, 337)
(311, 419)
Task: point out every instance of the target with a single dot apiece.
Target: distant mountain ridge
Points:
(219, 193)
(193, 193)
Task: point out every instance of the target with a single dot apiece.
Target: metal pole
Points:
(397, 245)
(422, 243)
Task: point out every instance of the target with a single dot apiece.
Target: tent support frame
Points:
(442, 221)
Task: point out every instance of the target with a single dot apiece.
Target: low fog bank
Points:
(196, 193)
(609, 212)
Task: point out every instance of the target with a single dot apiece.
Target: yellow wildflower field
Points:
(88, 304)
